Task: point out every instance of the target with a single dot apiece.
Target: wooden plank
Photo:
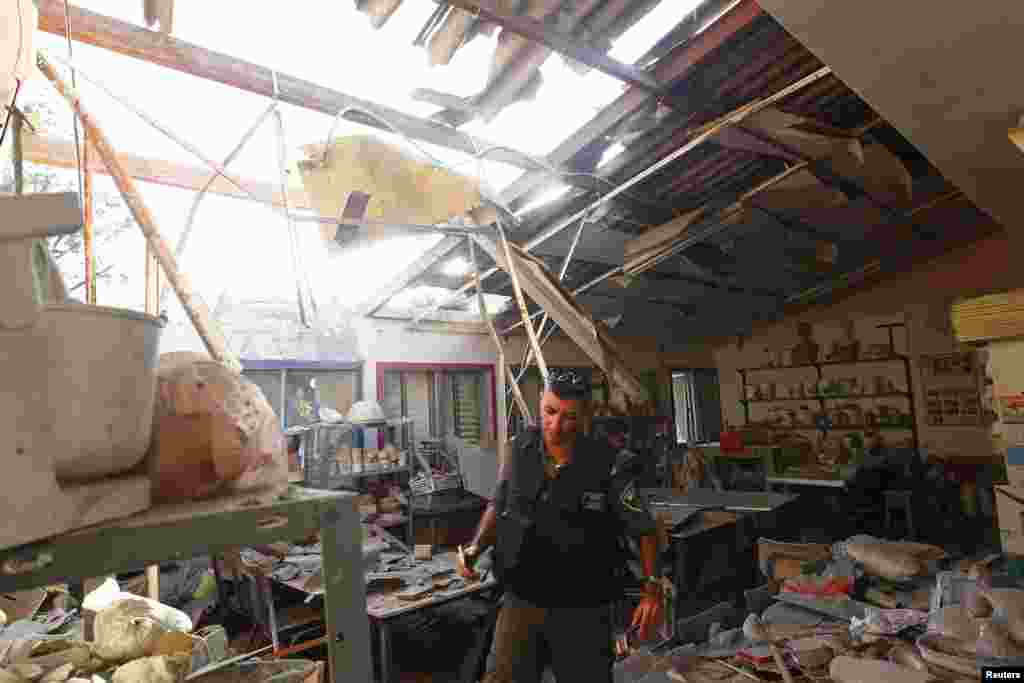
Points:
(49, 151)
(133, 41)
(517, 394)
(561, 43)
(207, 327)
(644, 260)
(547, 292)
(658, 236)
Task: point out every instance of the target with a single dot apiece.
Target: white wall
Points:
(391, 341)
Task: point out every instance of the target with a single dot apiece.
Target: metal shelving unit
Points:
(174, 532)
(824, 398)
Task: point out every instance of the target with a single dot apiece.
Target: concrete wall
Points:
(920, 298)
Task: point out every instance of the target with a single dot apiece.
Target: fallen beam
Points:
(545, 290)
(699, 135)
(127, 39)
(205, 324)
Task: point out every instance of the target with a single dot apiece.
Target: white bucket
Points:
(85, 377)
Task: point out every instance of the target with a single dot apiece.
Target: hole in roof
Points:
(545, 198)
(565, 101)
(644, 34)
(414, 300)
(613, 151)
(456, 267)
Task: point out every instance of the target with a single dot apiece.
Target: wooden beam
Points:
(560, 42)
(409, 274)
(49, 151)
(544, 288)
(150, 46)
(205, 324)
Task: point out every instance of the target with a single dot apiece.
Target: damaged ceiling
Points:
(735, 175)
(811, 190)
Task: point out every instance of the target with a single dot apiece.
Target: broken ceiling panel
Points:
(801, 191)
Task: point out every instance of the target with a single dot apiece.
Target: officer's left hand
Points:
(648, 613)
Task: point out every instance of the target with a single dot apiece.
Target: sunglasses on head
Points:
(567, 379)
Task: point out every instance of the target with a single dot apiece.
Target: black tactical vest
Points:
(563, 527)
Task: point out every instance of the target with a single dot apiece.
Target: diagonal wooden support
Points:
(516, 392)
(544, 288)
(531, 333)
(198, 313)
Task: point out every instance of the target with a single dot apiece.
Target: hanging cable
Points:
(179, 250)
(302, 288)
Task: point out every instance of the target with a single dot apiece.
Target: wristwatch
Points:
(470, 552)
(652, 583)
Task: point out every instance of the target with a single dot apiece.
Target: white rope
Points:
(179, 250)
(302, 287)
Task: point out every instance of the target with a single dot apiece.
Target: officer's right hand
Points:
(467, 560)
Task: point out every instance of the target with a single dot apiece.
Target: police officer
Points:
(555, 521)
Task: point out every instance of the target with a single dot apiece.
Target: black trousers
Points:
(576, 642)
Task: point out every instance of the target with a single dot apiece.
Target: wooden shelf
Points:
(825, 364)
(847, 397)
(852, 428)
(169, 532)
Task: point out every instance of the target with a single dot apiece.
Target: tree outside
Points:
(111, 217)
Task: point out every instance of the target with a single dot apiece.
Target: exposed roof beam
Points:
(150, 46)
(699, 135)
(822, 168)
(49, 151)
(669, 70)
(705, 37)
(409, 274)
(561, 43)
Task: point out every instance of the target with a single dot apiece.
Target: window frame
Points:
(280, 402)
(489, 370)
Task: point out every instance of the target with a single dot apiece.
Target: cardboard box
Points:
(1010, 512)
(1015, 467)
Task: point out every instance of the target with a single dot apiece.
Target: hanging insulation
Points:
(401, 189)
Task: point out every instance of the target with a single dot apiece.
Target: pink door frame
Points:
(401, 366)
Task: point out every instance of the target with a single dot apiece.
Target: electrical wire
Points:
(10, 110)
(184, 144)
(179, 250)
(302, 287)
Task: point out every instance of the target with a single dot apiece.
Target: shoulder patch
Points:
(630, 500)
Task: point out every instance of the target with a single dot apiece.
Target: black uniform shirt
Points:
(570, 556)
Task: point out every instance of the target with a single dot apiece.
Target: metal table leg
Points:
(387, 674)
(348, 627)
